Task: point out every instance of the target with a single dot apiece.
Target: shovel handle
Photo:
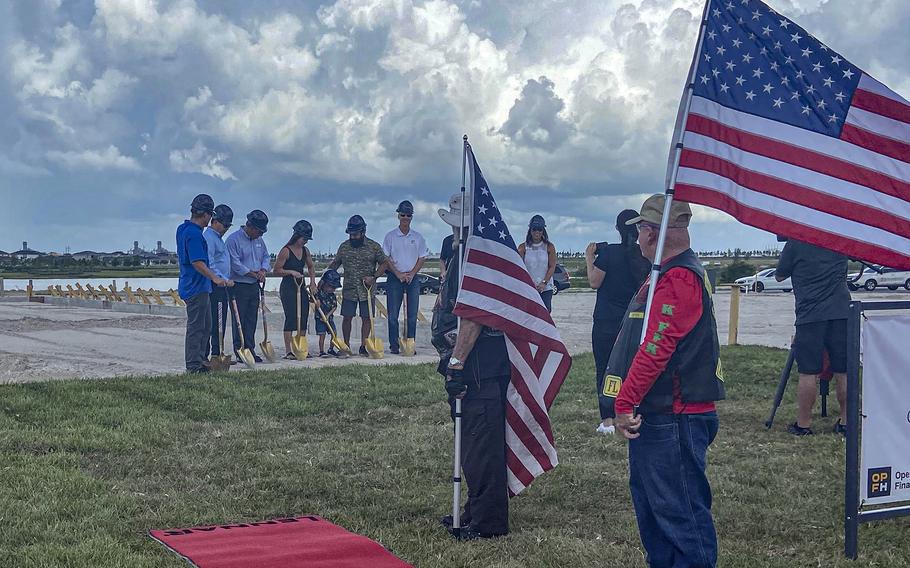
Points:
(239, 323)
(265, 327)
(221, 325)
(299, 306)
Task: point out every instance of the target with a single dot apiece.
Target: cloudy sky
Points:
(117, 112)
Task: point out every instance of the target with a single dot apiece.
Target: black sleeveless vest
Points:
(696, 361)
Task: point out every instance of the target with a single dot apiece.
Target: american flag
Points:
(496, 290)
(788, 136)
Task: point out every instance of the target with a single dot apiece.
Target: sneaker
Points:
(840, 428)
(323, 354)
(257, 358)
(798, 430)
(290, 356)
(332, 353)
(363, 351)
(468, 532)
(601, 429)
(198, 371)
(394, 351)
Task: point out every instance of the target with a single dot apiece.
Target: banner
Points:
(885, 468)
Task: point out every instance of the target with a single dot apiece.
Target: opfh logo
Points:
(879, 483)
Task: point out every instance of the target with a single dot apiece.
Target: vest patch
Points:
(667, 309)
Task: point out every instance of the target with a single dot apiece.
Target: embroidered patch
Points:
(611, 386)
(667, 309)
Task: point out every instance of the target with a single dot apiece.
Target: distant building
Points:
(26, 253)
(89, 255)
(4, 255)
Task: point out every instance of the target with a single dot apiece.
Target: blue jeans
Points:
(670, 490)
(396, 291)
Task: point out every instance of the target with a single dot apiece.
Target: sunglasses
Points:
(408, 215)
(645, 225)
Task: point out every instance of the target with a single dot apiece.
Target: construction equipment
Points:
(91, 290)
(145, 299)
(408, 344)
(157, 296)
(220, 363)
(336, 341)
(375, 347)
(129, 294)
(384, 313)
(244, 352)
(299, 345)
(178, 301)
(266, 345)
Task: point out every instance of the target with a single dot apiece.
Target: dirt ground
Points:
(42, 342)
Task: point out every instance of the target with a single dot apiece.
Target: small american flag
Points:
(788, 136)
(496, 290)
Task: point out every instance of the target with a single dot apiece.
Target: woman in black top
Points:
(293, 259)
(617, 273)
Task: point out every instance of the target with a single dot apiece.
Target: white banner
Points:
(885, 469)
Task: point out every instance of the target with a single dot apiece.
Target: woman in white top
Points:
(539, 255)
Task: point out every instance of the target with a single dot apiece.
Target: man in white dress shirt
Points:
(407, 251)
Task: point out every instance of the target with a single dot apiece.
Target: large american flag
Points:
(496, 290)
(788, 136)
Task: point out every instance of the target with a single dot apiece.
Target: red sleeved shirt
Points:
(675, 311)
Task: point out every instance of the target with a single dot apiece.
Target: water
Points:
(160, 284)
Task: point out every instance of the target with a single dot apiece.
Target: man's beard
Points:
(357, 243)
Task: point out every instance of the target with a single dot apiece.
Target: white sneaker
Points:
(601, 429)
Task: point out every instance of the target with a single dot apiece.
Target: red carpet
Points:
(280, 543)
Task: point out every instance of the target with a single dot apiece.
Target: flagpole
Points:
(678, 134)
(456, 467)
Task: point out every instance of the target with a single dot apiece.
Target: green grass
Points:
(87, 467)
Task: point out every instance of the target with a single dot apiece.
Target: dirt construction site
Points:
(40, 342)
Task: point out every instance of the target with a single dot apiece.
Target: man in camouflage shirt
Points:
(363, 260)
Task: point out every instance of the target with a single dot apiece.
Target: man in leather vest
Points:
(673, 379)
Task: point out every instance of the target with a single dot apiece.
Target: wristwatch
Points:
(455, 361)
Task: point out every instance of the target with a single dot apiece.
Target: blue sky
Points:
(117, 112)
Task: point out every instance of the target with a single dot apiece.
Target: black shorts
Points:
(813, 339)
(349, 308)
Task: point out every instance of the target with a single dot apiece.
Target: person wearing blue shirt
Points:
(196, 279)
(220, 263)
(249, 265)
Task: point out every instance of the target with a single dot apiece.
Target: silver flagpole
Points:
(456, 467)
(673, 169)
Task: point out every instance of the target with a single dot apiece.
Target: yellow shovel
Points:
(220, 363)
(408, 345)
(266, 345)
(374, 345)
(245, 354)
(336, 341)
(299, 345)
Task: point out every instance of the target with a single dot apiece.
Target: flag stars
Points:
(817, 67)
(757, 73)
(764, 50)
(756, 15)
(811, 90)
(707, 57)
(778, 102)
(840, 97)
(795, 37)
(715, 72)
(795, 95)
(788, 59)
(848, 74)
(747, 58)
(806, 110)
(784, 24)
(829, 81)
(822, 104)
(741, 21)
(729, 5)
(833, 118)
(484, 191)
(482, 209)
(768, 88)
(721, 50)
(778, 45)
(480, 227)
(750, 95)
(766, 31)
(730, 65)
(800, 74)
(724, 88)
(712, 34)
(836, 60)
(726, 28)
(704, 79)
(737, 43)
(716, 13)
(785, 81)
(502, 235)
(740, 81)
(775, 66)
(807, 52)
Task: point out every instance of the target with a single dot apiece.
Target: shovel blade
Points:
(246, 356)
(375, 347)
(408, 347)
(268, 351)
(299, 347)
(220, 363)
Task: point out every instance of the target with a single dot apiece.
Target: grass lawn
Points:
(87, 467)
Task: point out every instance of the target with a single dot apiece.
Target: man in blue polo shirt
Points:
(249, 265)
(196, 281)
(220, 263)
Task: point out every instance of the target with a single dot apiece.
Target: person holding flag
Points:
(506, 366)
(673, 379)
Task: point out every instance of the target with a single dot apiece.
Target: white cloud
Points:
(199, 159)
(108, 158)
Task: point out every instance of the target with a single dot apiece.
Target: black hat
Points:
(332, 278)
(624, 217)
(405, 207)
(224, 215)
(304, 229)
(537, 222)
(258, 220)
(356, 224)
(202, 203)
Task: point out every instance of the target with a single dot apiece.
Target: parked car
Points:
(879, 276)
(428, 284)
(560, 279)
(764, 280)
(861, 279)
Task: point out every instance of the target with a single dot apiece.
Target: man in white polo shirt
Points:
(407, 251)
